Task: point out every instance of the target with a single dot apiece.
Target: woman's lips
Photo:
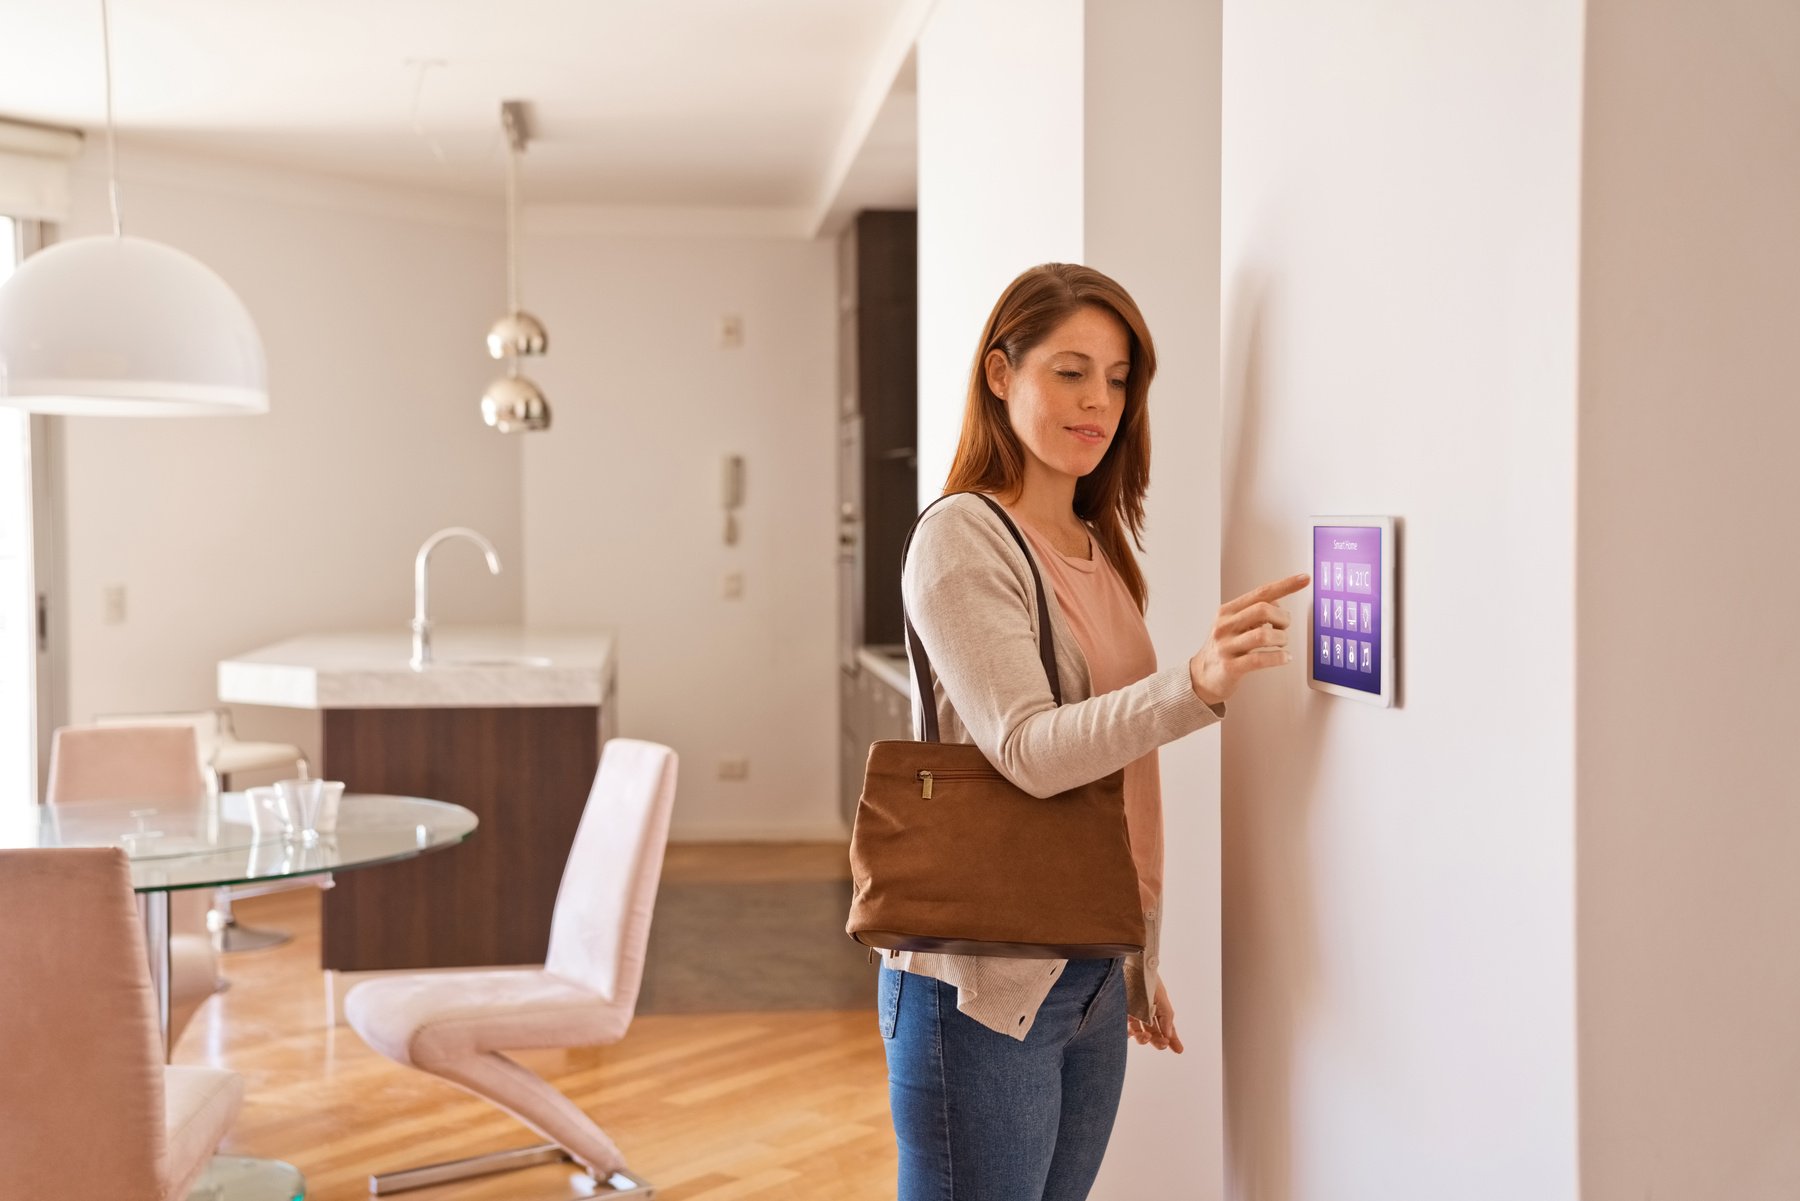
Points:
(1086, 433)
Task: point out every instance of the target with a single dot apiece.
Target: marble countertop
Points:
(472, 667)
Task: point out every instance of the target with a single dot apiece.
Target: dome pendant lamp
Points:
(118, 326)
(512, 403)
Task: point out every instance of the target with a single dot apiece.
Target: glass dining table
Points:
(211, 844)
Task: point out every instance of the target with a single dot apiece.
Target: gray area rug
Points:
(744, 948)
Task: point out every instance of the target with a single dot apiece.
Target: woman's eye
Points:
(1118, 383)
(1070, 374)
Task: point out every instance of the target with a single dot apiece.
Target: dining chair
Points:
(220, 748)
(90, 1108)
(157, 766)
(222, 755)
(460, 1025)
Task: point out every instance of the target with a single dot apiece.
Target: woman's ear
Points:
(999, 372)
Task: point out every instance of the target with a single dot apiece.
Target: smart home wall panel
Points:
(1352, 631)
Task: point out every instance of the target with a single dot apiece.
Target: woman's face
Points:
(1067, 395)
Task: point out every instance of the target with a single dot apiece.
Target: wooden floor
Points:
(755, 863)
(732, 1107)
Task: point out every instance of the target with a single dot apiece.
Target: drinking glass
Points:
(302, 799)
(134, 839)
(268, 820)
(331, 793)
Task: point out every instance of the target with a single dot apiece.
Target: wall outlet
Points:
(734, 585)
(734, 769)
(112, 604)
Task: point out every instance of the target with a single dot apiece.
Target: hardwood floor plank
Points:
(708, 1107)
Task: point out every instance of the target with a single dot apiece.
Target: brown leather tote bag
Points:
(949, 856)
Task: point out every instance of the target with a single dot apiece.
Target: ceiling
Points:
(728, 103)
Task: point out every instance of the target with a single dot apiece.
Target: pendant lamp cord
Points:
(512, 227)
(112, 160)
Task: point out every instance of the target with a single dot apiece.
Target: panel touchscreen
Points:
(1347, 607)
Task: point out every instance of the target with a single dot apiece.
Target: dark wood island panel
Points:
(524, 771)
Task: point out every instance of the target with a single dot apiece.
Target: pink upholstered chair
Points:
(222, 755)
(156, 765)
(459, 1025)
(90, 1110)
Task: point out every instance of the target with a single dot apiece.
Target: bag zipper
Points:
(926, 778)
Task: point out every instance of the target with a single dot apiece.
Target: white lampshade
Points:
(119, 326)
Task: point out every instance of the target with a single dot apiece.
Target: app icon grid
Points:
(1347, 618)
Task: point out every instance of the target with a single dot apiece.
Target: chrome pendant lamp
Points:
(512, 403)
(120, 326)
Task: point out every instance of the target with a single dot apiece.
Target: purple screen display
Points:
(1346, 606)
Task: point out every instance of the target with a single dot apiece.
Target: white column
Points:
(1001, 183)
(1057, 130)
(1151, 220)
(1400, 238)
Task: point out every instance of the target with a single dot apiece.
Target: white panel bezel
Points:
(1389, 607)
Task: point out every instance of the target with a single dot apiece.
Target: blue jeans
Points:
(979, 1116)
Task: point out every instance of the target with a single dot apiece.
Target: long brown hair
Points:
(988, 455)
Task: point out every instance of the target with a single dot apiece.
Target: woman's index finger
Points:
(1273, 590)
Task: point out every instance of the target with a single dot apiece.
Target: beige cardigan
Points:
(969, 592)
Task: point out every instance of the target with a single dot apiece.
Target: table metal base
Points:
(237, 1178)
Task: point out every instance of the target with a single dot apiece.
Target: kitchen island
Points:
(505, 722)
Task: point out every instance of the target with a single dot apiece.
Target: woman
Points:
(1005, 1074)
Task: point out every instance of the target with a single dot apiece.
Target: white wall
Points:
(1399, 271)
(623, 525)
(1001, 182)
(1088, 133)
(1689, 834)
(232, 532)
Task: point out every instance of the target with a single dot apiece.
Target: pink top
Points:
(1113, 636)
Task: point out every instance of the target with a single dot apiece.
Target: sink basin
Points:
(492, 661)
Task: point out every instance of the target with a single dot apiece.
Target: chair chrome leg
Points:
(617, 1185)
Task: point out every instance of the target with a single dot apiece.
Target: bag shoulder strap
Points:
(921, 663)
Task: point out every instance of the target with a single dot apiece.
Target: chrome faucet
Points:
(421, 622)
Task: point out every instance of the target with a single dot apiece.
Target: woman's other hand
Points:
(1161, 1033)
(1250, 634)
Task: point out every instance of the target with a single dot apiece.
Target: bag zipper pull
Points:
(925, 786)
